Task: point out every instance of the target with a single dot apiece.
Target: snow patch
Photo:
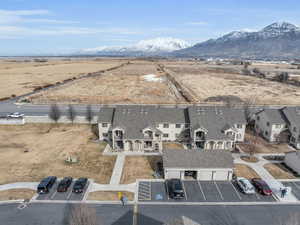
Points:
(152, 78)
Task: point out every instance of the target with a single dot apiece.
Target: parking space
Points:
(205, 191)
(295, 187)
(68, 195)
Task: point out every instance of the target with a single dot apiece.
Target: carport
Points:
(198, 165)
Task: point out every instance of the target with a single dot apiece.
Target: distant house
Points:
(292, 160)
(201, 165)
(145, 128)
(279, 125)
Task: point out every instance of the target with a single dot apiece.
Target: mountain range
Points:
(278, 41)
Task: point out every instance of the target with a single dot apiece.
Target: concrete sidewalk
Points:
(19, 185)
(118, 169)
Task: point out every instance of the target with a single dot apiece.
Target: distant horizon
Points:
(51, 28)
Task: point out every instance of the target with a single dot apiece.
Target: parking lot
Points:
(69, 195)
(295, 187)
(200, 191)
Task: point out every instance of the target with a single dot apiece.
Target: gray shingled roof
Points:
(137, 118)
(274, 116)
(105, 114)
(193, 159)
(215, 119)
(293, 115)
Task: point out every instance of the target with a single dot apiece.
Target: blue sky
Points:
(58, 26)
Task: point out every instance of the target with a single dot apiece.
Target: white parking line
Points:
(185, 196)
(150, 191)
(297, 186)
(219, 190)
(257, 196)
(236, 191)
(70, 193)
(201, 190)
(167, 190)
(54, 193)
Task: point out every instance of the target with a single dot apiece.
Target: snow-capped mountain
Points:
(278, 40)
(155, 46)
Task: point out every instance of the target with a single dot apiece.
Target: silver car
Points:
(245, 185)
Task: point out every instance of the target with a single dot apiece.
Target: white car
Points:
(245, 185)
(15, 115)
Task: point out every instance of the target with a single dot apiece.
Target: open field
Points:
(262, 146)
(31, 152)
(138, 82)
(278, 171)
(139, 167)
(23, 77)
(16, 194)
(173, 145)
(241, 170)
(207, 81)
(109, 196)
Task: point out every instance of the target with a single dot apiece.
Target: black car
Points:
(64, 184)
(79, 185)
(175, 189)
(46, 184)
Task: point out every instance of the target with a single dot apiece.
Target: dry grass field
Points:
(212, 80)
(31, 152)
(278, 171)
(23, 77)
(245, 171)
(109, 196)
(16, 194)
(124, 85)
(139, 167)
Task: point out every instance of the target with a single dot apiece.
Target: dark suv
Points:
(175, 189)
(79, 185)
(46, 184)
(64, 184)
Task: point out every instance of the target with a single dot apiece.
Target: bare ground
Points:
(241, 170)
(16, 194)
(31, 152)
(139, 167)
(278, 171)
(173, 145)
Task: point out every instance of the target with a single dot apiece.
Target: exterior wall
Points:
(292, 160)
(202, 174)
(240, 136)
(295, 138)
(261, 126)
(276, 129)
(103, 131)
(172, 131)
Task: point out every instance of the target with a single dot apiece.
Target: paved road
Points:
(58, 214)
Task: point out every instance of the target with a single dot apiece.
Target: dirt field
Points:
(139, 167)
(132, 83)
(208, 81)
(31, 152)
(278, 171)
(109, 196)
(24, 77)
(245, 171)
(262, 146)
(16, 194)
(172, 145)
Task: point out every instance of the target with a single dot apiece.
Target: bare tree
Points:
(82, 215)
(54, 113)
(71, 113)
(282, 77)
(89, 114)
(248, 107)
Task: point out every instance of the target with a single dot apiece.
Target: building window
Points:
(239, 126)
(104, 124)
(268, 124)
(295, 129)
(266, 132)
(178, 125)
(105, 134)
(239, 136)
(258, 118)
(187, 125)
(165, 135)
(166, 125)
(277, 126)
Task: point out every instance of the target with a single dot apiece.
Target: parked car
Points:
(64, 184)
(175, 189)
(79, 185)
(15, 115)
(46, 184)
(261, 186)
(245, 185)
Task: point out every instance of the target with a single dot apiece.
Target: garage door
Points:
(169, 174)
(221, 175)
(205, 175)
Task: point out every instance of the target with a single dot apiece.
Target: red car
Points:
(261, 186)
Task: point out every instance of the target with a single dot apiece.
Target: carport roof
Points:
(193, 159)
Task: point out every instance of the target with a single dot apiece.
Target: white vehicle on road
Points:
(245, 185)
(15, 115)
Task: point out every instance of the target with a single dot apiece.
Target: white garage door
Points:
(221, 175)
(205, 175)
(170, 174)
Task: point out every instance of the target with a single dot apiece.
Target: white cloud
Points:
(197, 23)
(50, 21)
(248, 30)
